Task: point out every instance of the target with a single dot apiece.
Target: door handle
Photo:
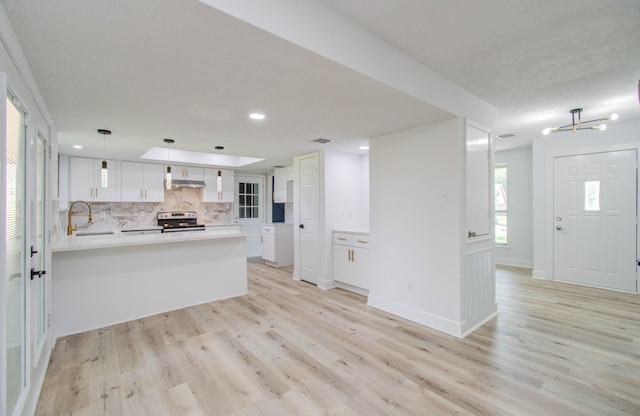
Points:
(33, 251)
(38, 273)
(301, 225)
(558, 228)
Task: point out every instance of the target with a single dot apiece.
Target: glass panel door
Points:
(15, 273)
(37, 252)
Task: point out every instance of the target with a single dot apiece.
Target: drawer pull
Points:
(363, 242)
(342, 239)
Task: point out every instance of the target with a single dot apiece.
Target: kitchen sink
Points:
(89, 233)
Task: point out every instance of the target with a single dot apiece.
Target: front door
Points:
(309, 215)
(250, 210)
(595, 219)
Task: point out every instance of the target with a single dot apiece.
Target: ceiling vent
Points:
(321, 140)
(505, 136)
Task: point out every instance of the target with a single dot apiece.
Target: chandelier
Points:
(579, 124)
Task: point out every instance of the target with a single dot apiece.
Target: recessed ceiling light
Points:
(257, 116)
(364, 147)
(77, 146)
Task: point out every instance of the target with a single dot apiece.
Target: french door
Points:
(13, 357)
(594, 232)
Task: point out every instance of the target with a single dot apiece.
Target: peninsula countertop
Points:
(116, 238)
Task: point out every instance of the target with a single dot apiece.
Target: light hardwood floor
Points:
(289, 348)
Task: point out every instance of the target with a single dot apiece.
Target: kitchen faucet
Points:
(71, 229)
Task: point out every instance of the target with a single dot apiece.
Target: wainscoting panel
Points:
(479, 289)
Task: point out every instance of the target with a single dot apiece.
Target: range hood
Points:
(185, 183)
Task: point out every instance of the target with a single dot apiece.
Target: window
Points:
(248, 200)
(500, 189)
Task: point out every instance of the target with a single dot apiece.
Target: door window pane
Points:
(248, 200)
(592, 195)
(14, 248)
(500, 189)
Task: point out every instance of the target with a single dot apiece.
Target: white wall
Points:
(343, 185)
(364, 197)
(415, 236)
(618, 136)
(519, 251)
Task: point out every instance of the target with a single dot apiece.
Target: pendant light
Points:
(219, 184)
(104, 171)
(168, 174)
(578, 124)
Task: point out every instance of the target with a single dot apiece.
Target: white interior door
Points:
(595, 219)
(309, 215)
(250, 210)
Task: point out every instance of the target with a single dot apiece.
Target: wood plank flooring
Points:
(289, 348)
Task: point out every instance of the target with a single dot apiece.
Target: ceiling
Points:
(154, 69)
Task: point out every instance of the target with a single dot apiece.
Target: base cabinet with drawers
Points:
(351, 259)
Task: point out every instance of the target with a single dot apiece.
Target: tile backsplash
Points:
(118, 215)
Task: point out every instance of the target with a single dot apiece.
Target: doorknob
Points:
(558, 228)
(301, 225)
(38, 273)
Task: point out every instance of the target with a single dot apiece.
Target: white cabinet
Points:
(85, 180)
(351, 259)
(227, 185)
(277, 244)
(282, 187)
(142, 182)
(187, 172)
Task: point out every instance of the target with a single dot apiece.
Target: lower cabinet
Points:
(277, 244)
(351, 259)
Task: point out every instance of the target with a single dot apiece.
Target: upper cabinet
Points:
(282, 186)
(85, 180)
(225, 191)
(187, 172)
(142, 182)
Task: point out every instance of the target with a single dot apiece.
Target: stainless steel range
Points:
(174, 221)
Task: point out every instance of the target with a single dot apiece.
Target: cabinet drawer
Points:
(268, 229)
(361, 241)
(343, 239)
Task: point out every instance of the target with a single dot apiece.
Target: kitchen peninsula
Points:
(102, 280)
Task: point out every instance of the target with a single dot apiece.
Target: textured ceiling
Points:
(532, 60)
(150, 69)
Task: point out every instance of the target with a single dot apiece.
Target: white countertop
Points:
(357, 230)
(118, 239)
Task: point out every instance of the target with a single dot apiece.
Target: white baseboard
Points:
(527, 264)
(423, 318)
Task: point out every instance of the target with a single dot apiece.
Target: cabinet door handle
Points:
(145, 194)
(141, 194)
(96, 192)
(91, 190)
(353, 255)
